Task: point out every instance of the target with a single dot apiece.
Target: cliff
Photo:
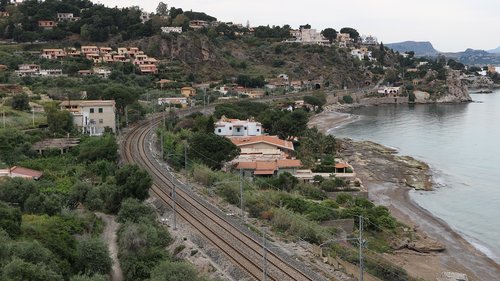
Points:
(457, 89)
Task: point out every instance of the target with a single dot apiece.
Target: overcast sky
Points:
(451, 25)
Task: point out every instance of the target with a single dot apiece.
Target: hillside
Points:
(494, 51)
(420, 48)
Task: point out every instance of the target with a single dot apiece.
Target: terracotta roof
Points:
(26, 172)
(341, 166)
(286, 163)
(273, 140)
(264, 172)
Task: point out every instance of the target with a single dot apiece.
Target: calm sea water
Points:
(462, 145)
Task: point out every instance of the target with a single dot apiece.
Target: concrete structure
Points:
(89, 50)
(198, 24)
(46, 24)
(50, 72)
(20, 172)
(92, 116)
(183, 102)
(237, 128)
(452, 276)
(28, 70)
(53, 54)
(171, 29)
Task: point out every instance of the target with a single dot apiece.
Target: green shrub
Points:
(347, 99)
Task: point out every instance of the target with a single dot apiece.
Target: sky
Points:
(450, 25)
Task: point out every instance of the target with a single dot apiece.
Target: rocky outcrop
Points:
(479, 82)
(421, 245)
(457, 89)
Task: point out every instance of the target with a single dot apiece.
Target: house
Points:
(141, 59)
(183, 102)
(120, 58)
(492, 69)
(90, 50)
(105, 50)
(132, 51)
(164, 82)
(53, 54)
(85, 72)
(92, 116)
(50, 72)
(46, 24)
(122, 51)
(148, 69)
(389, 90)
(361, 54)
(21, 172)
(66, 17)
(254, 93)
(171, 29)
(145, 16)
(261, 144)
(108, 58)
(452, 276)
(237, 128)
(198, 24)
(28, 70)
(72, 52)
(188, 92)
(268, 168)
(308, 36)
(101, 72)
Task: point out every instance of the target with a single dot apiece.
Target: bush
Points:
(133, 182)
(98, 148)
(92, 257)
(348, 99)
(10, 220)
(132, 210)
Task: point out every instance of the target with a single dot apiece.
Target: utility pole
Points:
(33, 115)
(161, 145)
(264, 255)
(241, 194)
(361, 248)
(186, 161)
(3, 114)
(173, 200)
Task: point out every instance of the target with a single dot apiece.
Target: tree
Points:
(330, 34)
(21, 102)
(353, 33)
(316, 100)
(173, 271)
(16, 191)
(98, 148)
(133, 210)
(59, 121)
(96, 277)
(162, 9)
(19, 270)
(211, 149)
(92, 257)
(10, 220)
(49, 204)
(133, 182)
(210, 125)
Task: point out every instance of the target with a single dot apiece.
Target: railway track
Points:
(240, 245)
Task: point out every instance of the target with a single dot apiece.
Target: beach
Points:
(389, 179)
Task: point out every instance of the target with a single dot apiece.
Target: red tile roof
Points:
(341, 166)
(25, 172)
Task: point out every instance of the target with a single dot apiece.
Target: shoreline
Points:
(460, 254)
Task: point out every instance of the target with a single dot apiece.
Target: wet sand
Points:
(382, 175)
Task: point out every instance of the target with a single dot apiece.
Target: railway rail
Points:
(228, 234)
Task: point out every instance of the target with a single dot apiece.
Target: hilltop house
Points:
(92, 116)
(53, 53)
(46, 24)
(308, 36)
(389, 90)
(171, 29)
(66, 17)
(28, 70)
(148, 68)
(361, 54)
(237, 128)
(89, 50)
(182, 102)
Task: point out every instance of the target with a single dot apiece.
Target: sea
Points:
(461, 143)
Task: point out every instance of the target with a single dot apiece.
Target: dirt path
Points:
(109, 236)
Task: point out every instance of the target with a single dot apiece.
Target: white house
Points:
(361, 54)
(92, 116)
(171, 29)
(308, 36)
(389, 90)
(66, 17)
(237, 128)
(183, 101)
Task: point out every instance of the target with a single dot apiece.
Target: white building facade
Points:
(237, 128)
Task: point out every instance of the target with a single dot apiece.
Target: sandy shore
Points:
(385, 175)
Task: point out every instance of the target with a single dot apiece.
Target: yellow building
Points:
(92, 116)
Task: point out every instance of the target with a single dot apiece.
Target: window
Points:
(101, 121)
(100, 110)
(245, 128)
(258, 130)
(230, 128)
(219, 130)
(91, 110)
(238, 130)
(92, 121)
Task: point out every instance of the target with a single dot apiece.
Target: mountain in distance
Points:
(420, 48)
(494, 51)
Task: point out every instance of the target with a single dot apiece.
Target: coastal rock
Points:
(478, 82)
(421, 245)
(457, 89)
